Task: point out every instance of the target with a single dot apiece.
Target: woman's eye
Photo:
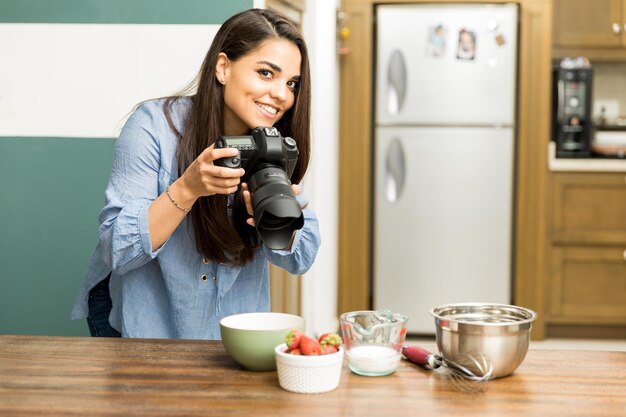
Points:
(292, 84)
(265, 73)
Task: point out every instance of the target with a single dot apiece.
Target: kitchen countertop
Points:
(62, 376)
(583, 164)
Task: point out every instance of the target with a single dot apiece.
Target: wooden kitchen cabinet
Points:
(596, 29)
(589, 208)
(588, 23)
(586, 283)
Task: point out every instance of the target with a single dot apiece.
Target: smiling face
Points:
(260, 86)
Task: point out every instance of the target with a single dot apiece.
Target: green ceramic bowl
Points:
(250, 338)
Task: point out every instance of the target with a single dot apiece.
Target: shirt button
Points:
(203, 278)
(205, 261)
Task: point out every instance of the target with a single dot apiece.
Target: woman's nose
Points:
(279, 91)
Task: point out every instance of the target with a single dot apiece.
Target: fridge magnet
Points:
(500, 39)
(466, 49)
(436, 44)
(492, 25)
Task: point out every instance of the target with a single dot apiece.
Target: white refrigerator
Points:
(444, 157)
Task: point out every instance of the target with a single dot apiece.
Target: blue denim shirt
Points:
(172, 292)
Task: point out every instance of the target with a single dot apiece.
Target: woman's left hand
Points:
(248, 200)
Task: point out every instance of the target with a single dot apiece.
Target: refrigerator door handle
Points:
(394, 171)
(396, 78)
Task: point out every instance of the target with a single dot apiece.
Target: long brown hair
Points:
(217, 238)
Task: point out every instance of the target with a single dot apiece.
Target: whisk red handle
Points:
(420, 356)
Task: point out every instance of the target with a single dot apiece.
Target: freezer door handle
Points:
(396, 78)
(394, 171)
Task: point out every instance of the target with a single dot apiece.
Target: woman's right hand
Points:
(203, 178)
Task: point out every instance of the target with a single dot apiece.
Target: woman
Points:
(178, 249)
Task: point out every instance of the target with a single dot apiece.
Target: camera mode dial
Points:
(289, 142)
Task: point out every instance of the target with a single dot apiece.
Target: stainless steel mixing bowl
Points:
(498, 332)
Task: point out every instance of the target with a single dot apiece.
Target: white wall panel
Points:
(319, 289)
(81, 80)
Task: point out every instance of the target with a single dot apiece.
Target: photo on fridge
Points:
(436, 44)
(466, 49)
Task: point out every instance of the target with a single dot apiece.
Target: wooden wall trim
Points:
(291, 9)
(356, 72)
(531, 230)
(354, 154)
(286, 289)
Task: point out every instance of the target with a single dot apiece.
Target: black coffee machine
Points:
(571, 104)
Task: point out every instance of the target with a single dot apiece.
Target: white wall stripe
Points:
(81, 80)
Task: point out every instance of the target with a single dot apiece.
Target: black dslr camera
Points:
(269, 160)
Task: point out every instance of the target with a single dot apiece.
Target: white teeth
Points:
(267, 108)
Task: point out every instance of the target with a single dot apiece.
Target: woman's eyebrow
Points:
(277, 68)
(271, 65)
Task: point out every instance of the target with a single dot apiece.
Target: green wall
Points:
(52, 191)
(52, 188)
(120, 11)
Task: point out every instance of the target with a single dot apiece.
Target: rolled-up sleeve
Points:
(133, 186)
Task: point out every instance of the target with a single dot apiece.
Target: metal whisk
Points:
(469, 376)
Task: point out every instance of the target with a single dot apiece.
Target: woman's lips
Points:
(270, 111)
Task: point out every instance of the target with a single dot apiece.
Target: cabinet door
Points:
(589, 209)
(588, 285)
(596, 23)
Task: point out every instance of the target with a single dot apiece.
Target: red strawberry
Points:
(330, 339)
(293, 339)
(295, 351)
(309, 346)
(327, 349)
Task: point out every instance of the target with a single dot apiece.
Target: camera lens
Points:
(272, 222)
(277, 213)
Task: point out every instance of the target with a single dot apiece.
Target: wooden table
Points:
(76, 376)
